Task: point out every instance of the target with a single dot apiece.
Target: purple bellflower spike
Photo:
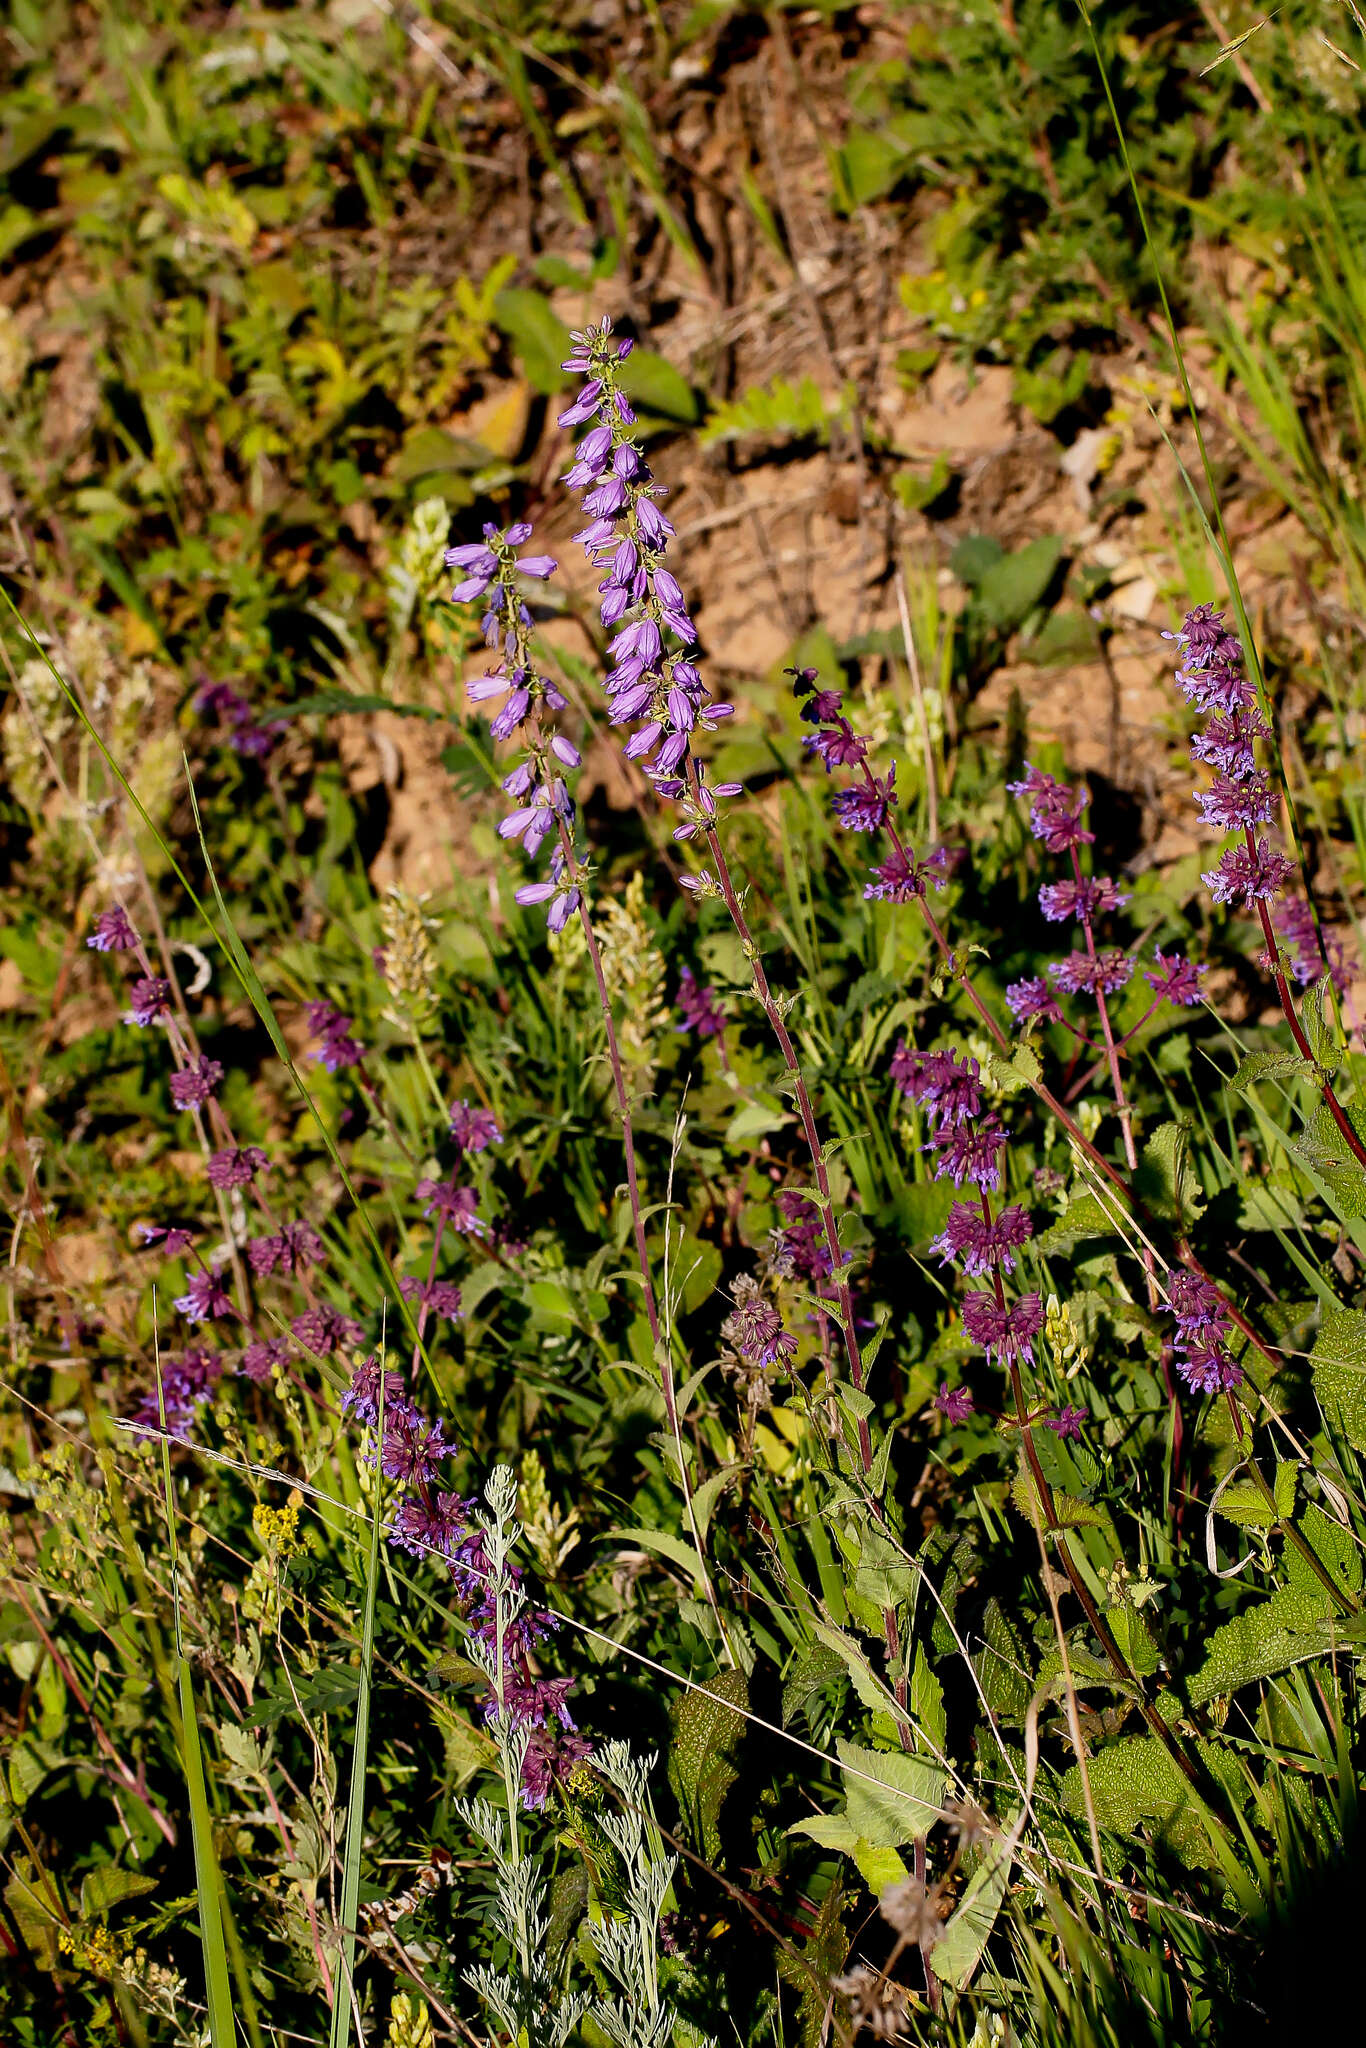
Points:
(654, 682)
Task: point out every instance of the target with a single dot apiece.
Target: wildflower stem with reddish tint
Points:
(1302, 1045)
(662, 1351)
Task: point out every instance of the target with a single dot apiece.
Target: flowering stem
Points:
(808, 1119)
(1126, 1128)
(1302, 1045)
(662, 1351)
(774, 1014)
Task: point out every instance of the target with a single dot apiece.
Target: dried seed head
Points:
(409, 959)
(875, 2005)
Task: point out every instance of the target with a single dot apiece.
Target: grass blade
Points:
(355, 1804)
(208, 1877)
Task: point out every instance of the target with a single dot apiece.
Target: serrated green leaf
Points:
(903, 1800)
(1085, 1216)
(1245, 1503)
(108, 1886)
(816, 1669)
(927, 1703)
(1070, 1512)
(884, 1575)
(708, 1727)
(1267, 1066)
(1318, 1029)
(1326, 1152)
(1135, 1783)
(1164, 1180)
(1021, 1070)
(1338, 1362)
(1293, 1626)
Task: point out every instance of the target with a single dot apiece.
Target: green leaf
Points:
(1085, 1216)
(1267, 1066)
(1008, 591)
(1293, 1626)
(676, 1549)
(1070, 1512)
(1317, 1028)
(756, 1120)
(1165, 1181)
(429, 450)
(1338, 1362)
(1334, 1546)
(708, 1727)
(539, 337)
(697, 1266)
(884, 1575)
(871, 165)
(1326, 1152)
(961, 1946)
(708, 1494)
(109, 1886)
(903, 1800)
(975, 555)
(652, 384)
(813, 1672)
(1245, 1504)
(1021, 1070)
(927, 1703)
(1136, 1783)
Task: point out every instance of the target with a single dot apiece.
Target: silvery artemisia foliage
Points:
(524, 1997)
(628, 1943)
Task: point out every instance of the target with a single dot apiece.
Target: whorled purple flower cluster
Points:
(1056, 813)
(699, 1007)
(978, 1240)
(246, 735)
(336, 1048)
(865, 806)
(1212, 677)
(1203, 1326)
(432, 1520)
(1313, 954)
(542, 805)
